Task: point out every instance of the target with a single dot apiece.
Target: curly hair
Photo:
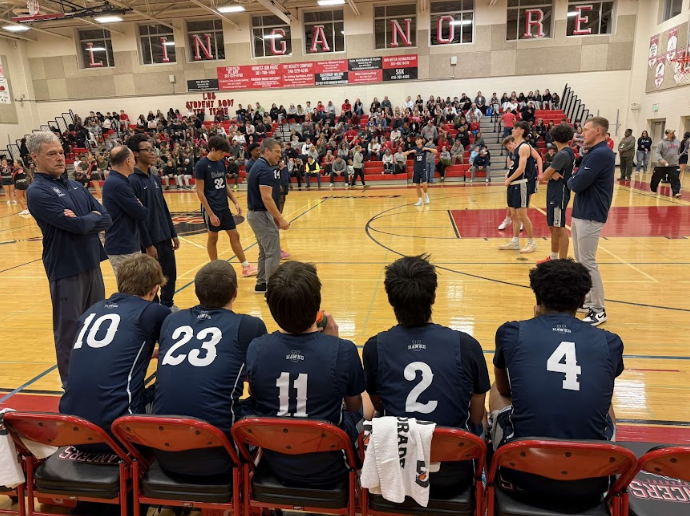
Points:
(560, 285)
(562, 133)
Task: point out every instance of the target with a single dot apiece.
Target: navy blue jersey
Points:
(212, 173)
(562, 373)
(115, 341)
(420, 160)
(530, 172)
(304, 376)
(201, 373)
(427, 372)
(563, 163)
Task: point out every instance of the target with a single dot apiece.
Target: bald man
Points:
(122, 239)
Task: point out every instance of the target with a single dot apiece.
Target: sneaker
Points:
(443, 178)
(506, 222)
(426, 198)
(14, 202)
(488, 180)
(547, 259)
(530, 247)
(419, 203)
(471, 181)
(522, 227)
(584, 309)
(595, 318)
(249, 270)
(24, 212)
(331, 185)
(678, 195)
(510, 246)
(284, 255)
(9, 202)
(260, 288)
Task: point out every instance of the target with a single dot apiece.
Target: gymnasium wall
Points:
(16, 118)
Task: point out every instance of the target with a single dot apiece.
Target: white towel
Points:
(396, 463)
(11, 474)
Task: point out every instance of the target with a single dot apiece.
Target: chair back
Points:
(170, 433)
(667, 461)
(53, 429)
(291, 436)
(565, 460)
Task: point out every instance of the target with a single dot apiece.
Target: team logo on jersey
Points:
(111, 305)
(188, 223)
(295, 356)
(58, 191)
(203, 316)
(416, 346)
(561, 328)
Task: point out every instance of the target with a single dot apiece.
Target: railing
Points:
(574, 109)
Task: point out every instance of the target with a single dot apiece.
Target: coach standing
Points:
(70, 220)
(667, 156)
(593, 186)
(158, 236)
(122, 239)
(263, 194)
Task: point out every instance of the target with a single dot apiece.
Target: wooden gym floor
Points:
(352, 235)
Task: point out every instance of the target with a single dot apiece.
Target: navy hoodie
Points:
(593, 184)
(70, 244)
(123, 236)
(158, 227)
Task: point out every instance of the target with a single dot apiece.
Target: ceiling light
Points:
(231, 9)
(108, 19)
(170, 43)
(572, 13)
(97, 49)
(273, 36)
(461, 22)
(16, 28)
(330, 2)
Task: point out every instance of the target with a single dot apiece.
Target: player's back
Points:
(562, 374)
(201, 371)
(304, 376)
(421, 373)
(109, 360)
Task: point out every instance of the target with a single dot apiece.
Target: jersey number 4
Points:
(564, 360)
(209, 338)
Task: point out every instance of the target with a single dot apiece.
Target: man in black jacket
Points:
(122, 239)
(158, 235)
(70, 220)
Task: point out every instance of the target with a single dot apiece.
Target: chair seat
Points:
(268, 488)
(513, 504)
(459, 503)
(157, 483)
(69, 477)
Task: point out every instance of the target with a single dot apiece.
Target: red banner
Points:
(266, 76)
(365, 76)
(297, 75)
(234, 77)
(335, 66)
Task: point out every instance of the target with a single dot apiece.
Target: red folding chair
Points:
(62, 477)
(666, 492)
(19, 492)
(447, 445)
(152, 485)
(559, 460)
(262, 489)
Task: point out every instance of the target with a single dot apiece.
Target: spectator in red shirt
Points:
(609, 141)
(346, 108)
(508, 120)
(124, 119)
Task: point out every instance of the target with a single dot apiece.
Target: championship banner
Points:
(361, 70)
(653, 50)
(672, 44)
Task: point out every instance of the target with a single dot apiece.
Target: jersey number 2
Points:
(565, 350)
(283, 384)
(411, 403)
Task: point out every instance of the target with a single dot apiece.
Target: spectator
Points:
(312, 168)
(338, 169)
(548, 157)
(388, 162)
(400, 162)
(667, 155)
(528, 112)
(481, 163)
(626, 148)
(328, 371)
(644, 149)
(358, 166)
(444, 161)
(429, 132)
(122, 238)
(70, 223)
(457, 153)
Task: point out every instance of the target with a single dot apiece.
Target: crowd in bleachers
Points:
(371, 138)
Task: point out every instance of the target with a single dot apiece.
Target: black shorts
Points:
(7, 181)
(683, 160)
(518, 195)
(557, 199)
(22, 185)
(95, 176)
(420, 177)
(227, 222)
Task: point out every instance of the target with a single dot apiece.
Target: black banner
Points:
(326, 79)
(400, 74)
(202, 85)
(364, 63)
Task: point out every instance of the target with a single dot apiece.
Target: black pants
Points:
(660, 173)
(342, 174)
(358, 172)
(166, 257)
(299, 175)
(441, 168)
(71, 297)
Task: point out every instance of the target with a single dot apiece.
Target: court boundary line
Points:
(453, 224)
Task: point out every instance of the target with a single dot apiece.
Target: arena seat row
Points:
(132, 472)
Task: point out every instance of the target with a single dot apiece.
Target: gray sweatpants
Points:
(586, 235)
(117, 259)
(71, 297)
(268, 238)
